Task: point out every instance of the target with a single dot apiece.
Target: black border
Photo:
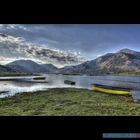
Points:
(84, 15)
(70, 19)
(90, 127)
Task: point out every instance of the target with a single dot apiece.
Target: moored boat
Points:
(69, 82)
(39, 78)
(111, 89)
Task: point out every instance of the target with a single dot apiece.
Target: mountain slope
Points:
(4, 69)
(30, 66)
(24, 66)
(49, 67)
(124, 60)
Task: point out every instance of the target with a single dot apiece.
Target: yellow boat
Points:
(111, 90)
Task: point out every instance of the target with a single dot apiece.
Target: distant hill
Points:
(29, 66)
(125, 60)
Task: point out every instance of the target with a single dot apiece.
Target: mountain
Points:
(24, 66)
(30, 66)
(4, 69)
(125, 60)
(49, 67)
(128, 51)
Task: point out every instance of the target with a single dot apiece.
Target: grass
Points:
(68, 102)
(137, 73)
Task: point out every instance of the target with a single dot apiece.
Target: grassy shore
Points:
(17, 74)
(65, 102)
(128, 73)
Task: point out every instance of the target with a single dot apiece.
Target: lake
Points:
(11, 87)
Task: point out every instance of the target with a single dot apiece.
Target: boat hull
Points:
(109, 90)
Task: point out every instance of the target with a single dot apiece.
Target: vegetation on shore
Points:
(130, 73)
(68, 102)
(6, 74)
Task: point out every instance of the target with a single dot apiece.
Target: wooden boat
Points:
(1, 92)
(111, 90)
(39, 78)
(34, 81)
(69, 82)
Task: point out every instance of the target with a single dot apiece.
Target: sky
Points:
(87, 40)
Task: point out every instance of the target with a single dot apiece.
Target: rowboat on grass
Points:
(111, 89)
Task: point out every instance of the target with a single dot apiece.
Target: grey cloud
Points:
(12, 47)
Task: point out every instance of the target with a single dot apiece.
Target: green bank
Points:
(10, 74)
(68, 102)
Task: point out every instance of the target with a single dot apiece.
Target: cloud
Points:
(13, 48)
(12, 27)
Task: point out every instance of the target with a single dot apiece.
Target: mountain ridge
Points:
(125, 60)
(30, 66)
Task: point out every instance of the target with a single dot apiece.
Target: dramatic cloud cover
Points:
(66, 44)
(13, 48)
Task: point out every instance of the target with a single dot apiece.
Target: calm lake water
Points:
(9, 88)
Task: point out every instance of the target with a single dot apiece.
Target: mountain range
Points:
(125, 60)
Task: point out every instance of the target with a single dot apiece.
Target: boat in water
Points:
(69, 82)
(34, 80)
(39, 78)
(111, 89)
